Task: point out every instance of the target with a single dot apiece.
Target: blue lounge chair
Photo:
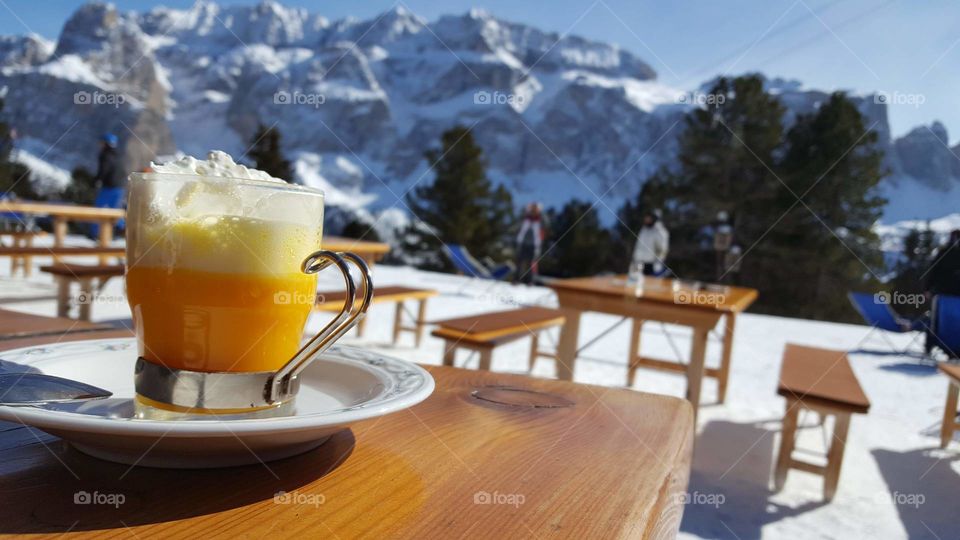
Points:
(882, 316)
(946, 325)
(466, 264)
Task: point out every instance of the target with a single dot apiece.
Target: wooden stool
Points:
(67, 274)
(333, 301)
(818, 380)
(950, 424)
(483, 333)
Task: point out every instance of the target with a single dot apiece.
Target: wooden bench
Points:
(818, 380)
(68, 274)
(950, 424)
(483, 333)
(22, 239)
(333, 301)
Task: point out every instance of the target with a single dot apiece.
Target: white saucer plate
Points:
(345, 386)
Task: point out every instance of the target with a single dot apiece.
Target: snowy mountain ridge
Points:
(358, 101)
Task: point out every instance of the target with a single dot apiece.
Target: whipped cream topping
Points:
(218, 164)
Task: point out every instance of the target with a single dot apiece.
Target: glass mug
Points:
(221, 278)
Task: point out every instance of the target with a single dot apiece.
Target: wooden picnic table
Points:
(369, 251)
(15, 325)
(488, 455)
(665, 300)
(63, 213)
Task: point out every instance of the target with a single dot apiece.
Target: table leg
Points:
(63, 296)
(567, 348)
(449, 352)
(59, 230)
(949, 415)
(695, 368)
(730, 319)
(486, 358)
(106, 236)
(534, 347)
(633, 359)
(787, 438)
(421, 318)
(397, 321)
(835, 455)
(27, 260)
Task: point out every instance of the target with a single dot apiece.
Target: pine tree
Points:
(14, 177)
(915, 259)
(461, 205)
(803, 255)
(577, 243)
(267, 156)
(824, 246)
(724, 164)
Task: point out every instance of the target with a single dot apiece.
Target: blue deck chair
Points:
(470, 266)
(946, 325)
(882, 316)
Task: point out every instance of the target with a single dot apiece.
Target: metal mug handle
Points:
(282, 385)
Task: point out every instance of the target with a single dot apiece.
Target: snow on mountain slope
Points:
(371, 96)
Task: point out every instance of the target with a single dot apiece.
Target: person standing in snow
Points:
(653, 243)
(943, 276)
(111, 189)
(529, 243)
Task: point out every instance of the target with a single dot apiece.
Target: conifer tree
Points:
(577, 243)
(824, 245)
(460, 206)
(267, 155)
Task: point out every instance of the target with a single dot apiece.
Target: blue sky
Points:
(909, 49)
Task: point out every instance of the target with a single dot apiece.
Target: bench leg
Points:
(787, 438)
(421, 322)
(729, 321)
(449, 352)
(397, 321)
(949, 415)
(633, 358)
(63, 296)
(362, 325)
(486, 358)
(835, 456)
(89, 293)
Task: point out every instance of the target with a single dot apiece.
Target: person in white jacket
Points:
(653, 243)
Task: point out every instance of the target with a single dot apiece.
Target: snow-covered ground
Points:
(896, 483)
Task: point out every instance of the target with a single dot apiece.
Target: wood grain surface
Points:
(488, 455)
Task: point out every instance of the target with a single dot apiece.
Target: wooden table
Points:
(14, 325)
(664, 300)
(488, 455)
(63, 213)
(369, 251)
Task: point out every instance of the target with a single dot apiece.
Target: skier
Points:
(111, 191)
(652, 246)
(529, 242)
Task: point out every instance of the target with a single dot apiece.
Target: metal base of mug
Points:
(219, 392)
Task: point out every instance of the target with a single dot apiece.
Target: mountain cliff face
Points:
(358, 102)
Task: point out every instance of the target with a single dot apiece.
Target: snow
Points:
(895, 484)
(46, 178)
